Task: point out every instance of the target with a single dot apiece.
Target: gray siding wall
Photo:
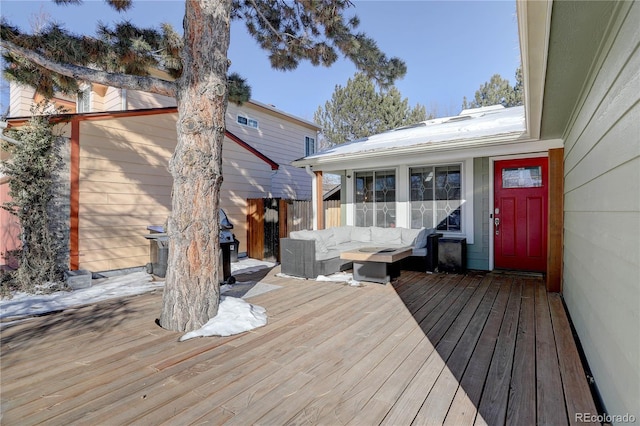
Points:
(602, 217)
(478, 252)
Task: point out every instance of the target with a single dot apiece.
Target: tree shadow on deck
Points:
(90, 322)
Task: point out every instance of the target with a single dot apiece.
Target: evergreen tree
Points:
(291, 31)
(497, 91)
(32, 187)
(358, 110)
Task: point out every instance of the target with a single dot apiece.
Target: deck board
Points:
(427, 349)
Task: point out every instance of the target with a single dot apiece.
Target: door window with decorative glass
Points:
(436, 197)
(375, 196)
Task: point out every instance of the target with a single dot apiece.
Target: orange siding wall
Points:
(9, 228)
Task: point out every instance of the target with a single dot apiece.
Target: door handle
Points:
(496, 222)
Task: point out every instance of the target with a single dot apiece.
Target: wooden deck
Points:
(429, 349)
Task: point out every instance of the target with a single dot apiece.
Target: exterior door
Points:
(520, 214)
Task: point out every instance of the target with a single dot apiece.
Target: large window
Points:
(436, 197)
(375, 198)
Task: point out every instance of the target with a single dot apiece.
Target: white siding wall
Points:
(97, 101)
(20, 100)
(602, 220)
(113, 99)
(280, 139)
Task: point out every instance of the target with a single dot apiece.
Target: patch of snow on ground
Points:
(234, 316)
(340, 277)
(23, 304)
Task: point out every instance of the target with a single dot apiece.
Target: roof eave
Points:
(534, 26)
(419, 149)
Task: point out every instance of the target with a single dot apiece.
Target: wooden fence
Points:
(270, 219)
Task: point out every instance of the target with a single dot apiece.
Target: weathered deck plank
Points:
(430, 349)
(548, 378)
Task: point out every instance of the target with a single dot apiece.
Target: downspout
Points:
(314, 196)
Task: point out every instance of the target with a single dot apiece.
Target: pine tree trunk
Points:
(192, 289)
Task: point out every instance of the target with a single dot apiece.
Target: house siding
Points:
(124, 187)
(125, 184)
(602, 217)
(478, 252)
(141, 100)
(20, 100)
(282, 140)
(112, 100)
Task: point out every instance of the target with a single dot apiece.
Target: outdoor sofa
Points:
(311, 253)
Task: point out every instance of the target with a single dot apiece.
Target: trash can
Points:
(452, 254)
(227, 240)
(224, 267)
(158, 251)
(235, 248)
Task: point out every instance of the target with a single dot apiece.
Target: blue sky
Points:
(450, 47)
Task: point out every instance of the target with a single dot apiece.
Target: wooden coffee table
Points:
(376, 264)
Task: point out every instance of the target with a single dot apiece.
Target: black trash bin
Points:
(227, 240)
(225, 263)
(235, 248)
(159, 251)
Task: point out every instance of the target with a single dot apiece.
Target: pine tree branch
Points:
(264, 19)
(125, 81)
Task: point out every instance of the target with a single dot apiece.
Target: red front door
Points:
(520, 214)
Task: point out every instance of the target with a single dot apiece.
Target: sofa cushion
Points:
(386, 235)
(342, 234)
(326, 235)
(421, 240)
(409, 236)
(329, 254)
(321, 247)
(360, 233)
(352, 245)
(419, 251)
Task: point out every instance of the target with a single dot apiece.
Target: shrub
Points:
(30, 169)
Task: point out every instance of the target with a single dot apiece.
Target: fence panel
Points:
(331, 213)
(269, 219)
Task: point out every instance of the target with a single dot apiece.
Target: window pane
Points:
(436, 197)
(375, 198)
(522, 177)
(364, 198)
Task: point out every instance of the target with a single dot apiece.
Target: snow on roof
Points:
(479, 124)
